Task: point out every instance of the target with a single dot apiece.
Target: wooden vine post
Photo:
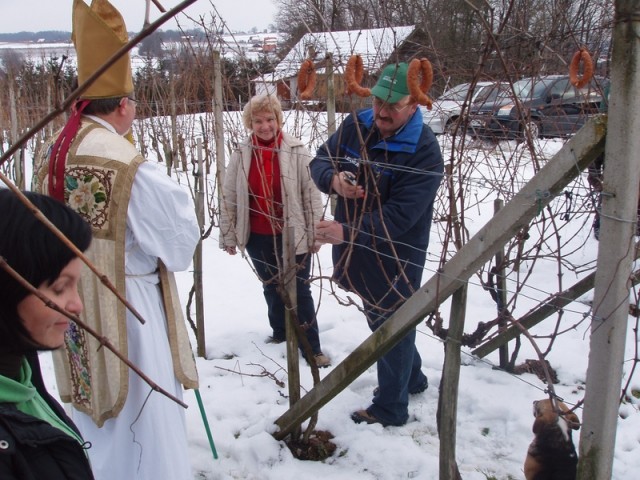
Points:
(447, 414)
(293, 361)
(218, 123)
(610, 315)
(197, 257)
(171, 150)
(18, 158)
(331, 96)
(501, 292)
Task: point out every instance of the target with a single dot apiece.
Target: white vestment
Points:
(161, 224)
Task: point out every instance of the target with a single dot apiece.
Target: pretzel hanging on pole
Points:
(587, 71)
(306, 79)
(354, 74)
(418, 89)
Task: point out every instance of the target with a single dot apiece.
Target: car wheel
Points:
(451, 125)
(531, 128)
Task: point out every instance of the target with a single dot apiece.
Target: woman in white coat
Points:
(267, 189)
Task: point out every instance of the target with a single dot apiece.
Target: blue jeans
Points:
(399, 373)
(266, 254)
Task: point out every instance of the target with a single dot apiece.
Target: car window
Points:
(522, 88)
(591, 92)
(488, 93)
(560, 88)
(541, 88)
(563, 89)
(456, 94)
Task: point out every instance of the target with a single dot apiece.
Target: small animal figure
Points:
(552, 455)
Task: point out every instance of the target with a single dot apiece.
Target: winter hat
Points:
(392, 84)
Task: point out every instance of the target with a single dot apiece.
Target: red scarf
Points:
(58, 157)
(265, 187)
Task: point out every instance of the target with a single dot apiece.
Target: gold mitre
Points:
(98, 32)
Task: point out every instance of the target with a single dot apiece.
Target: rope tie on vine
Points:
(569, 196)
(540, 196)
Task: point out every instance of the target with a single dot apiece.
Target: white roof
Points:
(374, 46)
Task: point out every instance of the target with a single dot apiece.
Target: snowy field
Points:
(242, 399)
(232, 46)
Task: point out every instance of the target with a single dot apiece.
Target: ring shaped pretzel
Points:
(354, 74)
(306, 79)
(419, 89)
(574, 67)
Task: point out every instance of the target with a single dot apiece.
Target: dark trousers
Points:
(399, 373)
(266, 254)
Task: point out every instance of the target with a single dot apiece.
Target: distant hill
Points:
(51, 36)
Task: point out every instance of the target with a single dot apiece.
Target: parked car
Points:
(550, 106)
(448, 106)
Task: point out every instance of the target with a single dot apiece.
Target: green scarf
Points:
(28, 400)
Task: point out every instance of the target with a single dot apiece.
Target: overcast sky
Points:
(39, 15)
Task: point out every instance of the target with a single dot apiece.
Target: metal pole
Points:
(203, 414)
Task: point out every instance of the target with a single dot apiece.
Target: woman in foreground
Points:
(37, 439)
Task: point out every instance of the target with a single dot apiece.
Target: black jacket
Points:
(31, 449)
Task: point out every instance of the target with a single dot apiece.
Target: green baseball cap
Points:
(392, 84)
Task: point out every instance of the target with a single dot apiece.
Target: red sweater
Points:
(265, 187)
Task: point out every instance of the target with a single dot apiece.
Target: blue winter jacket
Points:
(389, 228)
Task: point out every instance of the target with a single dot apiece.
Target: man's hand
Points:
(329, 231)
(343, 187)
(230, 250)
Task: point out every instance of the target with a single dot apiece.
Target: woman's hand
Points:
(230, 250)
(329, 231)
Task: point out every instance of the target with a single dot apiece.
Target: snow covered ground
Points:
(242, 399)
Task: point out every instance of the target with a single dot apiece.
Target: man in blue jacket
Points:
(385, 166)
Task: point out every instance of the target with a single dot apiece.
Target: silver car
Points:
(446, 109)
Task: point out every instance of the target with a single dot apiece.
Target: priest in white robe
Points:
(145, 229)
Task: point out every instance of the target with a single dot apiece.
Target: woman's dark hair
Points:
(31, 249)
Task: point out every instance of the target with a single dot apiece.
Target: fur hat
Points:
(98, 32)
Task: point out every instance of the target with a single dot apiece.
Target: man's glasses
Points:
(393, 107)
